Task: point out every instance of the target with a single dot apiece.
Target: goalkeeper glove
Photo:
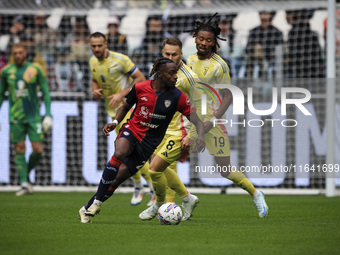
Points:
(47, 123)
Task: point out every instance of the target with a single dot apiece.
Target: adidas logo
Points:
(165, 154)
(220, 151)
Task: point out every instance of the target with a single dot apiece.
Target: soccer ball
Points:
(169, 214)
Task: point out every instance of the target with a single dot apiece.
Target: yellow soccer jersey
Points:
(186, 81)
(112, 74)
(211, 71)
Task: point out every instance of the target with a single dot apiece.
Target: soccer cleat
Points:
(137, 196)
(23, 191)
(30, 187)
(82, 216)
(261, 205)
(152, 198)
(150, 213)
(94, 209)
(188, 207)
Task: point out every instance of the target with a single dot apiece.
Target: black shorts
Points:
(140, 151)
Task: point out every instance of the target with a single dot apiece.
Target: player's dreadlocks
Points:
(210, 27)
(158, 63)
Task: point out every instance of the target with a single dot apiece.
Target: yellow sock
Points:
(241, 180)
(145, 172)
(170, 193)
(175, 183)
(137, 177)
(159, 185)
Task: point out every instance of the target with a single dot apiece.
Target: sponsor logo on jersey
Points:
(144, 99)
(165, 154)
(144, 111)
(126, 133)
(167, 103)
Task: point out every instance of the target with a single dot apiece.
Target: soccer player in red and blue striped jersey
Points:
(156, 103)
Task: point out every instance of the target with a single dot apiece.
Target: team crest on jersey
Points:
(192, 62)
(205, 70)
(144, 111)
(187, 101)
(167, 103)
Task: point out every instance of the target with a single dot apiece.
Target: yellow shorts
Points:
(217, 142)
(170, 149)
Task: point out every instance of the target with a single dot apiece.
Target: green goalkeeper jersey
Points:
(22, 84)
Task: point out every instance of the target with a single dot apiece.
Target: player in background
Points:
(112, 75)
(22, 79)
(156, 103)
(175, 145)
(211, 69)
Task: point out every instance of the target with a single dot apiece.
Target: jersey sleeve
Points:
(129, 67)
(131, 97)
(3, 86)
(42, 81)
(223, 74)
(184, 105)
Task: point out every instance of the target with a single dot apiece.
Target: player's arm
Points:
(46, 92)
(96, 90)
(131, 99)
(200, 144)
(47, 122)
(121, 112)
(185, 108)
(116, 99)
(3, 87)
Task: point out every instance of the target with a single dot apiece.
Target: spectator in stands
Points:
(115, 40)
(260, 49)
(16, 32)
(80, 51)
(67, 74)
(45, 38)
(151, 47)
(230, 49)
(304, 51)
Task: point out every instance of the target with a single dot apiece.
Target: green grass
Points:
(47, 223)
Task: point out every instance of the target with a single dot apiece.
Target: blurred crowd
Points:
(63, 52)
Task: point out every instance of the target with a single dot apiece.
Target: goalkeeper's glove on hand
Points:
(47, 123)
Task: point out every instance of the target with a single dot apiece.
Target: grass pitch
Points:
(47, 223)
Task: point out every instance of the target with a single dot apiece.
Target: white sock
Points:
(186, 198)
(256, 193)
(24, 185)
(98, 201)
(138, 184)
(150, 186)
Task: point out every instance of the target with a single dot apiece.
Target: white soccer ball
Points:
(169, 214)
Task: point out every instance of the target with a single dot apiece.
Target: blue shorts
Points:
(140, 151)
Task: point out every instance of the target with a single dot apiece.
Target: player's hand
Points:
(97, 93)
(200, 144)
(185, 143)
(116, 99)
(47, 124)
(207, 126)
(108, 128)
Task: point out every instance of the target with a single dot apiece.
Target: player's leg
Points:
(160, 184)
(122, 149)
(36, 136)
(170, 193)
(218, 145)
(146, 175)
(138, 193)
(21, 166)
(18, 136)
